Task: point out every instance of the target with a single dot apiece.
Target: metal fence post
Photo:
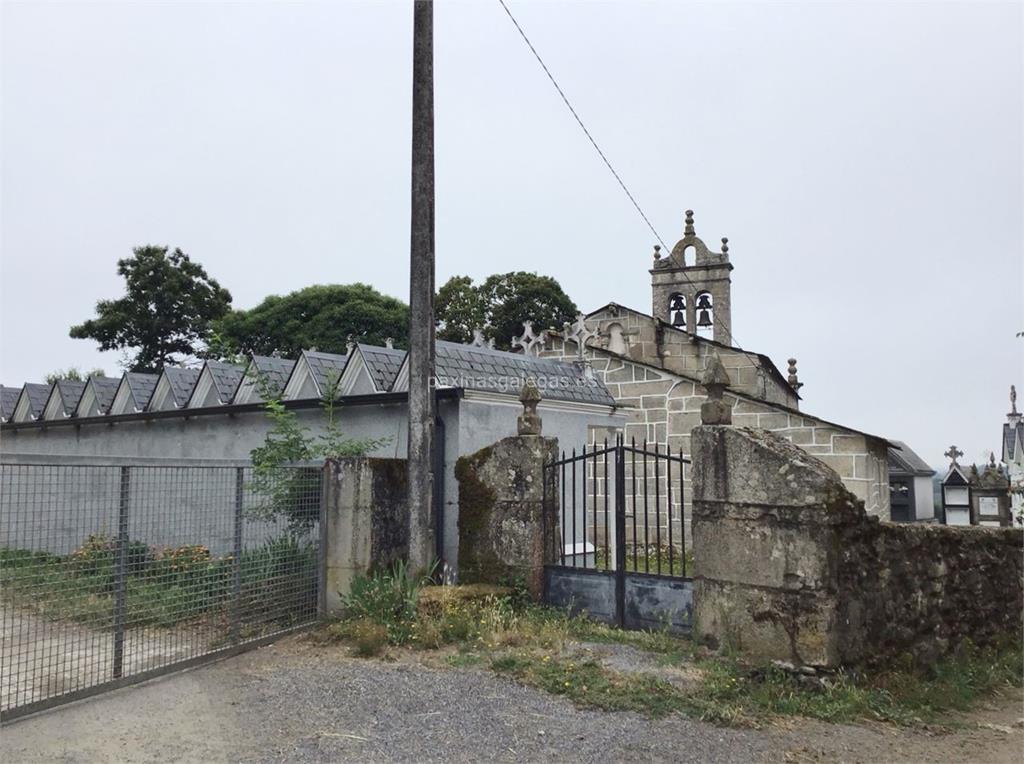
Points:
(121, 573)
(321, 552)
(620, 532)
(236, 589)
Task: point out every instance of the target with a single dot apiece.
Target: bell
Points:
(679, 318)
(677, 303)
(704, 320)
(704, 302)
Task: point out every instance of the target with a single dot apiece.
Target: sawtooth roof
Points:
(226, 378)
(105, 388)
(182, 383)
(382, 364)
(274, 370)
(8, 400)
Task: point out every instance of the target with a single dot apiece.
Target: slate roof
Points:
(141, 387)
(903, 460)
(481, 368)
(8, 400)
(182, 382)
(70, 392)
(1011, 437)
(274, 370)
(226, 378)
(382, 364)
(323, 364)
(105, 389)
(37, 395)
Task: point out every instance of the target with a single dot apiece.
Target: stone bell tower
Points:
(691, 287)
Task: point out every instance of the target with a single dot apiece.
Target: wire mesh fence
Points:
(112, 574)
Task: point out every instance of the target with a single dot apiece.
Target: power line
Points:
(726, 328)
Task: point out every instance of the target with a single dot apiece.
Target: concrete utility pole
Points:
(421, 292)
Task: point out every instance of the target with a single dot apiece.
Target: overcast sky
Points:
(864, 159)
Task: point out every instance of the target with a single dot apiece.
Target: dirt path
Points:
(295, 702)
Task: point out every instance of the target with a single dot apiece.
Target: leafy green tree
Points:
(165, 314)
(321, 316)
(73, 373)
(500, 305)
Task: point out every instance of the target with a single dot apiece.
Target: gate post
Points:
(120, 572)
(620, 533)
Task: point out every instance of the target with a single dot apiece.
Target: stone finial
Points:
(276, 353)
(657, 251)
(992, 460)
(529, 421)
(1013, 400)
(725, 245)
(350, 343)
(953, 453)
(688, 231)
(715, 379)
(793, 380)
(491, 343)
(389, 343)
(478, 338)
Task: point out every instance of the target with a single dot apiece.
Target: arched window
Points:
(677, 311)
(704, 309)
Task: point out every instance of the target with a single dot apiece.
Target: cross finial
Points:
(689, 224)
(389, 343)
(478, 338)
(953, 454)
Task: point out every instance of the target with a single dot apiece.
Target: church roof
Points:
(766, 363)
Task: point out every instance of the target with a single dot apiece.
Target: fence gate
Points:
(621, 537)
(111, 575)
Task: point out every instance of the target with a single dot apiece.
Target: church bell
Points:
(679, 318)
(704, 319)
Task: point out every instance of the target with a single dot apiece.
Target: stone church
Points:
(652, 364)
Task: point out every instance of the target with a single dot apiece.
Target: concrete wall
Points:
(470, 423)
(790, 567)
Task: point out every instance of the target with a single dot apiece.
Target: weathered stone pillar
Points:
(507, 532)
(765, 519)
(367, 521)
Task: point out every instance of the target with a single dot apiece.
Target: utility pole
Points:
(421, 292)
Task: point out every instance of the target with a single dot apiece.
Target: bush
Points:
(279, 580)
(387, 598)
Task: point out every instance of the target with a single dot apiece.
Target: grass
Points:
(647, 559)
(540, 647)
(164, 587)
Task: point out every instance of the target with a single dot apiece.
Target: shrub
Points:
(279, 580)
(387, 598)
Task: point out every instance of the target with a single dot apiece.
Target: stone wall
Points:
(790, 567)
(507, 533)
(367, 521)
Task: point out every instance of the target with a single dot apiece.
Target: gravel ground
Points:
(299, 703)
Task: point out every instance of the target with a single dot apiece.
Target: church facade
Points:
(652, 364)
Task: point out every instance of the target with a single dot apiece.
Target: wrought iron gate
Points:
(111, 575)
(621, 535)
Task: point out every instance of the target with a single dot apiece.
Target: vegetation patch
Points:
(496, 630)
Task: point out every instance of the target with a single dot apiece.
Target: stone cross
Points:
(715, 379)
(953, 453)
(529, 421)
(1013, 400)
(389, 343)
(578, 333)
(529, 340)
(478, 338)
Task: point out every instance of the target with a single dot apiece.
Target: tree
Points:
(500, 305)
(323, 316)
(165, 315)
(73, 373)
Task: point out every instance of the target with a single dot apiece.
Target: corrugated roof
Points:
(480, 368)
(105, 389)
(383, 364)
(226, 378)
(8, 400)
(37, 395)
(141, 386)
(325, 367)
(182, 382)
(902, 459)
(274, 370)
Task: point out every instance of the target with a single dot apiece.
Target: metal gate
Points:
(621, 535)
(111, 575)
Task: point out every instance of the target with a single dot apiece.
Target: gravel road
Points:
(299, 703)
